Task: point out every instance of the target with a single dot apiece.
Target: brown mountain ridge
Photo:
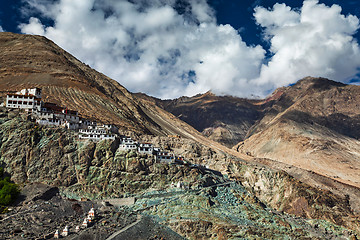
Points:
(224, 119)
(34, 61)
(313, 125)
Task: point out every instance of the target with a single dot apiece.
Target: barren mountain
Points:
(224, 119)
(32, 153)
(309, 130)
(313, 125)
(34, 61)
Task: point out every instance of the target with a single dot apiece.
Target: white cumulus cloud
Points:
(1, 29)
(169, 48)
(315, 41)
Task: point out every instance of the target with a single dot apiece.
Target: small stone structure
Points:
(85, 223)
(92, 213)
(146, 148)
(164, 157)
(65, 231)
(56, 235)
(95, 133)
(127, 143)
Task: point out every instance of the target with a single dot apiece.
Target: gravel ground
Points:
(41, 211)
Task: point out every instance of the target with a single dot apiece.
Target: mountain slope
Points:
(314, 125)
(224, 119)
(309, 130)
(41, 154)
(34, 61)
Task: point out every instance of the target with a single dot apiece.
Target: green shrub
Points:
(8, 190)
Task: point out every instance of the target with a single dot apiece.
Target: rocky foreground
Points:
(249, 201)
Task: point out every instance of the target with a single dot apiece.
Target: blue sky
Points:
(239, 13)
(169, 48)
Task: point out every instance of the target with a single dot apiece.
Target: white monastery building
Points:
(95, 133)
(53, 115)
(127, 143)
(27, 99)
(146, 148)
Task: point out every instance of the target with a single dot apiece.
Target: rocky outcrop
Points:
(284, 193)
(207, 204)
(55, 156)
(239, 209)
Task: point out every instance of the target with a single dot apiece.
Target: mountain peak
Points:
(317, 83)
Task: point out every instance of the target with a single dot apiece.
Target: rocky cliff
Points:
(251, 201)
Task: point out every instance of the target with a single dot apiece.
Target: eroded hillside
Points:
(314, 125)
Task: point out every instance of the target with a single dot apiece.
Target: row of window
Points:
(69, 117)
(92, 131)
(165, 158)
(53, 120)
(16, 96)
(23, 103)
(97, 136)
(145, 149)
(128, 146)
